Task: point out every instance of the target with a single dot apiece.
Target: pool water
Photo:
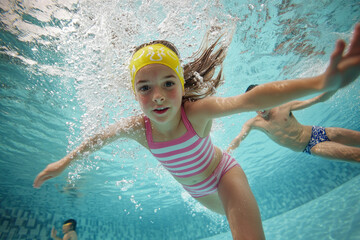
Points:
(63, 76)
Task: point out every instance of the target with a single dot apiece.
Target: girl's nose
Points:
(158, 97)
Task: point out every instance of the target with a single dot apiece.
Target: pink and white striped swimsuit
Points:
(188, 156)
(185, 156)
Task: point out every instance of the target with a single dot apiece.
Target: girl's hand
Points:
(344, 69)
(52, 170)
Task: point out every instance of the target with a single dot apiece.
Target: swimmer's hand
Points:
(53, 233)
(232, 147)
(344, 68)
(52, 170)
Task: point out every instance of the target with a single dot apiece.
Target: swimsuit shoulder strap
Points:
(184, 118)
(148, 131)
(186, 121)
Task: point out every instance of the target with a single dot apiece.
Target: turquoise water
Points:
(63, 77)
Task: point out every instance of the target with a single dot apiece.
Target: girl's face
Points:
(159, 92)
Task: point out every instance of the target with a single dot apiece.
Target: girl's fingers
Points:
(354, 47)
(337, 54)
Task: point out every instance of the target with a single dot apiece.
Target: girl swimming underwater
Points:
(177, 118)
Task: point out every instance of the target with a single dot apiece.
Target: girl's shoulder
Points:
(132, 127)
(132, 122)
(200, 108)
(128, 126)
(137, 122)
(199, 121)
(190, 108)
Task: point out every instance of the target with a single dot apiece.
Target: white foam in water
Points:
(98, 47)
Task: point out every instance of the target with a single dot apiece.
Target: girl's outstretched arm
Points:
(342, 70)
(126, 128)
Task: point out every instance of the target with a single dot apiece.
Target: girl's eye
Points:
(144, 88)
(169, 84)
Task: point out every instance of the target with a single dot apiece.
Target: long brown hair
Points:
(199, 73)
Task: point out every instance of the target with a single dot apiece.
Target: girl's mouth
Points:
(161, 110)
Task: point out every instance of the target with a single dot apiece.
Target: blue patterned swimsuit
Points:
(318, 135)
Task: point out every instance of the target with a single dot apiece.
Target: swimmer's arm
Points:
(245, 130)
(262, 97)
(122, 129)
(298, 105)
(342, 70)
(53, 234)
(127, 128)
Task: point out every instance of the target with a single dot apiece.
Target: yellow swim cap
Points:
(155, 53)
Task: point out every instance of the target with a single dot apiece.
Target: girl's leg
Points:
(212, 202)
(343, 136)
(335, 150)
(240, 205)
